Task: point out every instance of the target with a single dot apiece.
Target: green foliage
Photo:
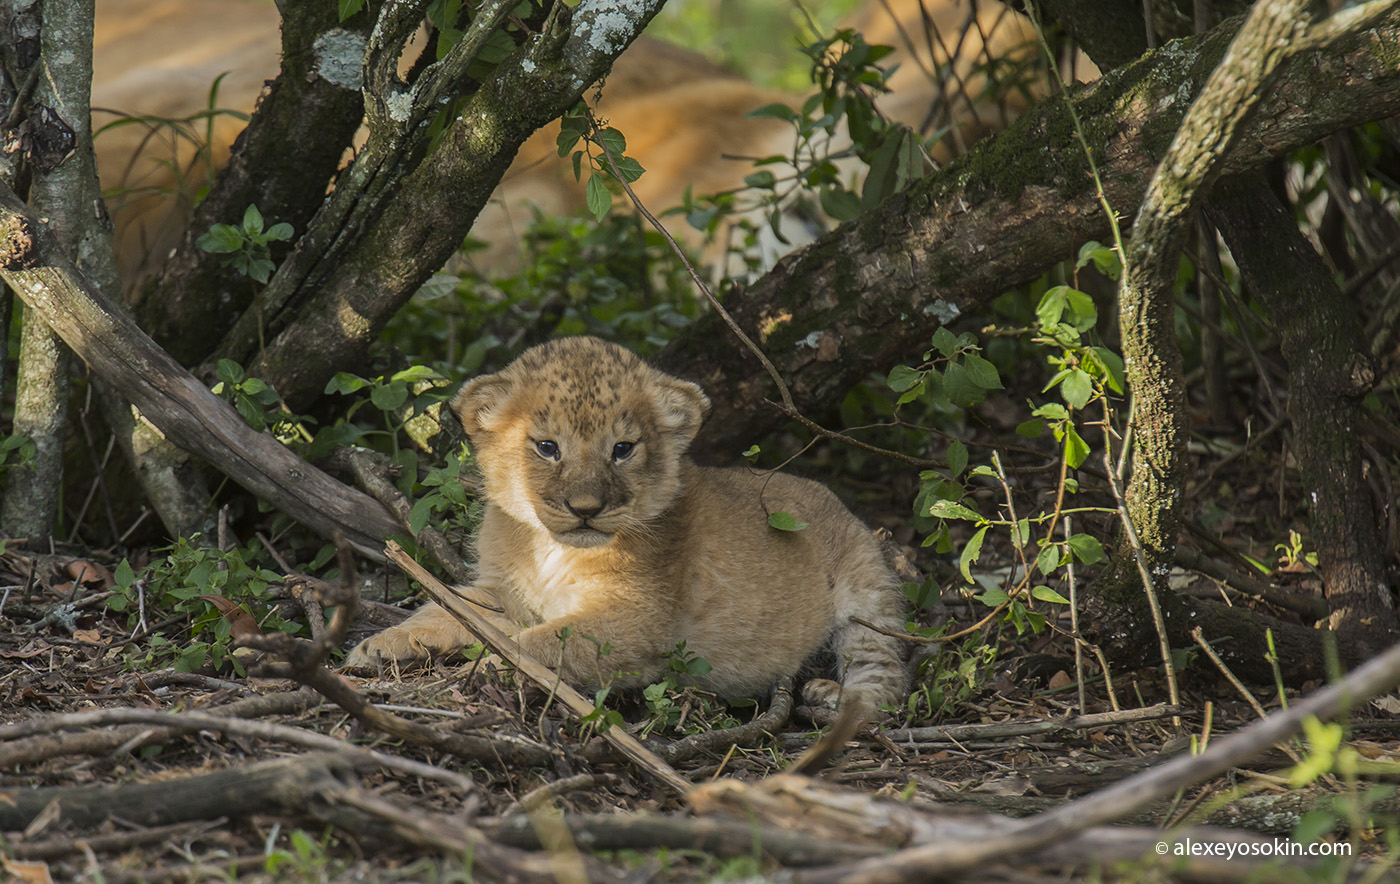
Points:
(398, 398)
(247, 246)
(951, 677)
(614, 278)
(16, 452)
(674, 706)
(605, 148)
(176, 587)
(307, 860)
(258, 404)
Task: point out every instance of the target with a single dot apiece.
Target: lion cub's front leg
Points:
(430, 631)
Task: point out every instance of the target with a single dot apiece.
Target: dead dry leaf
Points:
(28, 872)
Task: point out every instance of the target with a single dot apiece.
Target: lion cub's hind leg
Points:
(871, 665)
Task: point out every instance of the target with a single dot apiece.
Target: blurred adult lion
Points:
(965, 69)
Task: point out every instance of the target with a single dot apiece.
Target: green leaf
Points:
(598, 198)
(1052, 306)
(1077, 388)
(1049, 559)
(350, 7)
(839, 203)
(981, 372)
(221, 239)
(1046, 594)
(1052, 411)
(1112, 363)
(960, 389)
(1021, 533)
(957, 457)
(251, 411)
(421, 512)
(278, 232)
(416, 373)
(124, 575)
(751, 451)
(252, 221)
(947, 509)
(1086, 549)
(631, 169)
(763, 180)
(944, 341)
(260, 269)
(1031, 428)
(971, 552)
(902, 377)
(1082, 309)
(1104, 258)
(993, 597)
(229, 372)
(345, 382)
(776, 111)
(390, 396)
(1076, 449)
(612, 141)
(784, 521)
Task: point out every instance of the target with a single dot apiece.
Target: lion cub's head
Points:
(581, 438)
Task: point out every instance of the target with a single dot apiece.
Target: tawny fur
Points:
(644, 551)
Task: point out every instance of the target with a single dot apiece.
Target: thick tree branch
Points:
(870, 293)
(316, 95)
(339, 306)
(168, 395)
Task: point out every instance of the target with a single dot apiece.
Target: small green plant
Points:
(673, 703)
(1291, 554)
(187, 585)
(247, 245)
(399, 398)
(16, 452)
(950, 677)
(308, 860)
(258, 404)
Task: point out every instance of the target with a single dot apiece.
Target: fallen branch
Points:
(168, 724)
(995, 730)
(507, 648)
(167, 395)
(951, 856)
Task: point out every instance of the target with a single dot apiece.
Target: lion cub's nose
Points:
(585, 506)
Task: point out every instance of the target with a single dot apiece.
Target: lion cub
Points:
(597, 520)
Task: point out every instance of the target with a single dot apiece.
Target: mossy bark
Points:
(331, 311)
(1328, 374)
(282, 163)
(869, 294)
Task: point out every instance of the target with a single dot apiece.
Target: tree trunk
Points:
(343, 283)
(869, 294)
(1328, 374)
(64, 181)
(316, 101)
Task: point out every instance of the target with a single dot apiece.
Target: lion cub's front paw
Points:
(393, 645)
(429, 631)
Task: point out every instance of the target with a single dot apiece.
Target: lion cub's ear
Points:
(680, 406)
(480, 404)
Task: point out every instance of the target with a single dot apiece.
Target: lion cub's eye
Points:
(622, 450)
(548, 449)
